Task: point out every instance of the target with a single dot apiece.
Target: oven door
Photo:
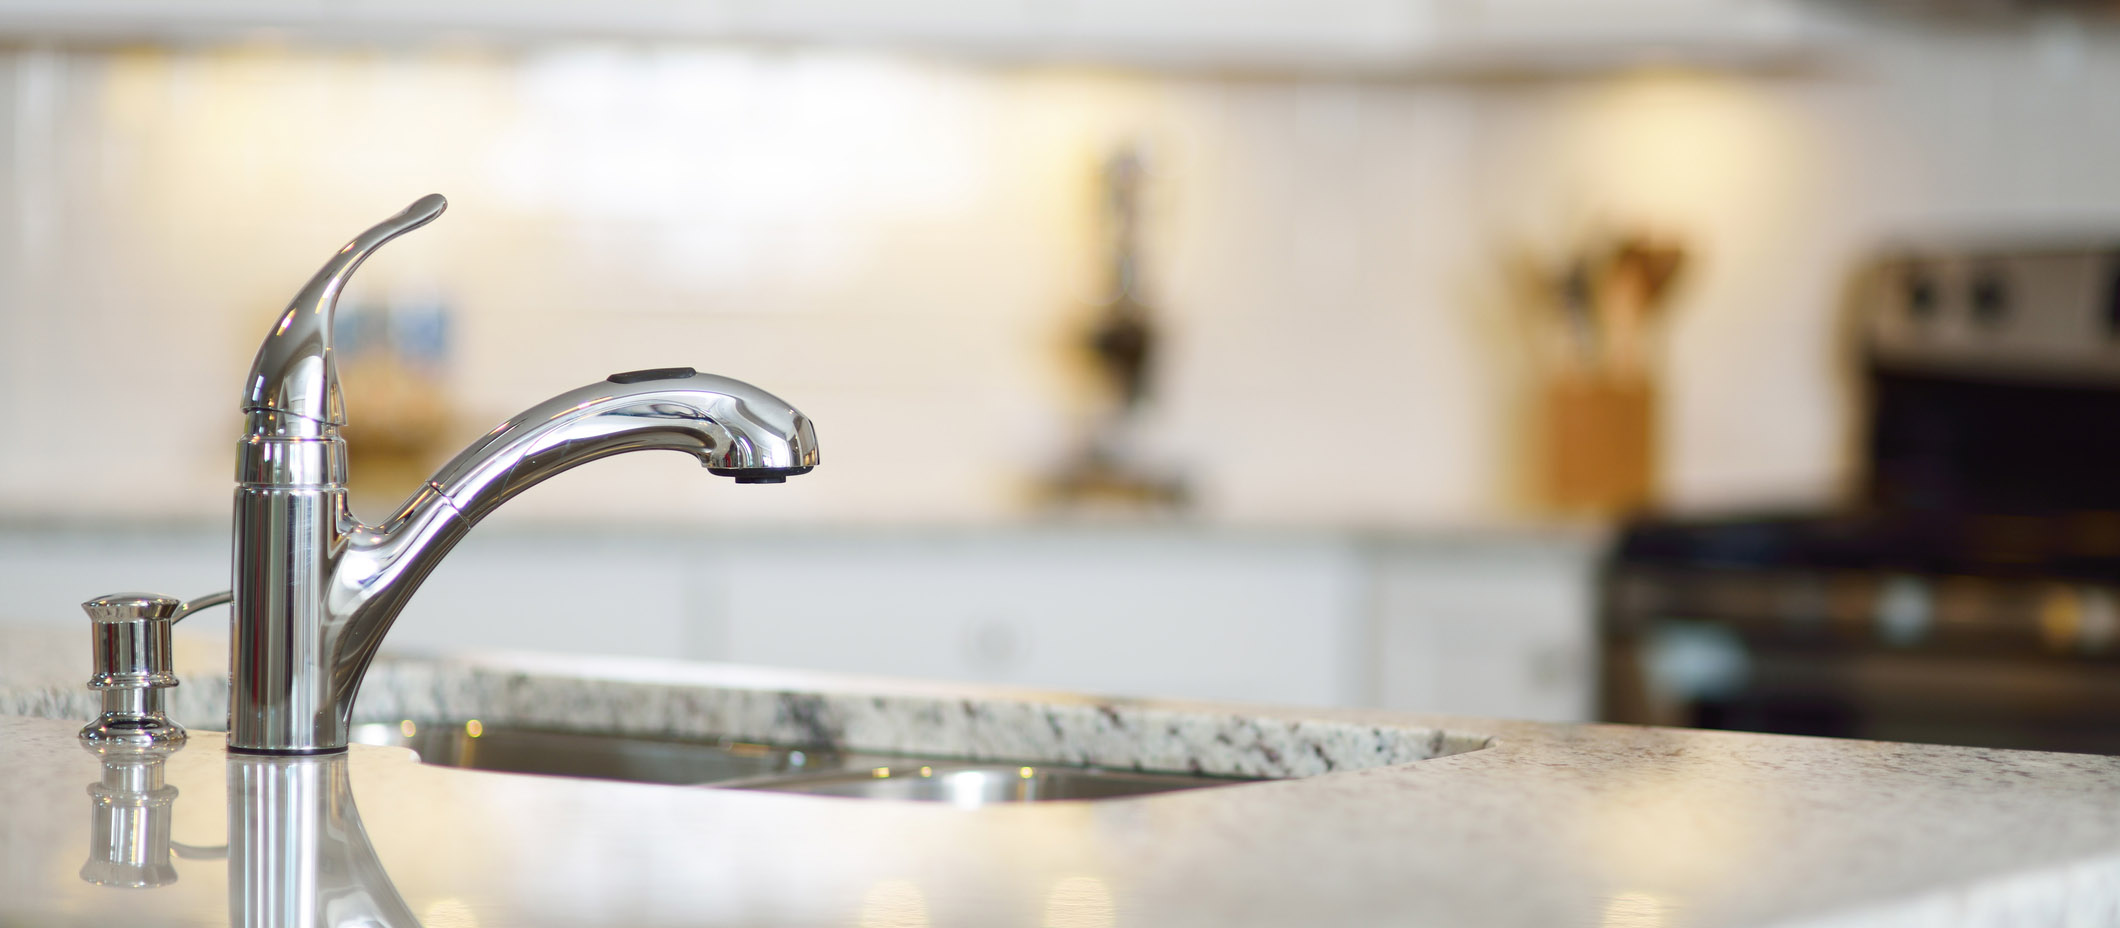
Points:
(1861, 655)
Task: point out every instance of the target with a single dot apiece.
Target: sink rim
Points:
(972, 783)
(822, 771)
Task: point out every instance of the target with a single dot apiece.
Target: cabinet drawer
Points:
(1189, 618)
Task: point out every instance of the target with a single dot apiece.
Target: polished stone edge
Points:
(1110, 734)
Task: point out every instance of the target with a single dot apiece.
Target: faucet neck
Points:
(302, 640)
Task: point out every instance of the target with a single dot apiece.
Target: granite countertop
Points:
(1377, 818)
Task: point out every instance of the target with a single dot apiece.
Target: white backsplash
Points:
(898, 246)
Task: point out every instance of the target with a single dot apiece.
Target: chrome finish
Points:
(130, 634)
(297, 854)
(293, 388)
(733, 428)
(2021, 309)
(207, 601)
(973, 785)
(315, 590)
(129, 817)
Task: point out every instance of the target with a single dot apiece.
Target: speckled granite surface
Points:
(1545, 825)
(674, 699)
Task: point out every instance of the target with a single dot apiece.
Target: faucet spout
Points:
(315, 590)
(734, 429)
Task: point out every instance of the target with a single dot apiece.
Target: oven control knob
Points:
(1990, 297)
(1919, 291)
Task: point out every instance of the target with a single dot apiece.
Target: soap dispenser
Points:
(130, 632)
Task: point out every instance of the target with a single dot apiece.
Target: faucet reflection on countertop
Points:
(297, 853)
(315, 590)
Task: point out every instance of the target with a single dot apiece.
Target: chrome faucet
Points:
(315, 590)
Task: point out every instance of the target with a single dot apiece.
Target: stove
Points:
(1969, 591)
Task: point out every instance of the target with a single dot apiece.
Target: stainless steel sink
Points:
(743, 765)
(972, 785)
(599, 757)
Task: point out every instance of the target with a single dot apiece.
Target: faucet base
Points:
(286, 752)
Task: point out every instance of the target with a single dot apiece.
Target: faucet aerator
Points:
(759, 474)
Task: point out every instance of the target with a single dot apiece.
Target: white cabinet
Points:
(551, 591)
(561, 592)
(1494, 627)
(1479, 625)
(1116, 612)
(47, 574)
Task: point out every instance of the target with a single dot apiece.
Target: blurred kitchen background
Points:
(1424, 354)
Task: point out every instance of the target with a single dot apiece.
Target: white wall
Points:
(897, 245)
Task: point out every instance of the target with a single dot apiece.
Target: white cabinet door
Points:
(1481, 627)
(554, 591)
(46, 575)
(578, 593)
(1119, 613)
(1490, 627)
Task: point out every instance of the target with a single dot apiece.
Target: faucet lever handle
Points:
(294, 373)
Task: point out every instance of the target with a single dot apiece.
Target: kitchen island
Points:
(1366, 818)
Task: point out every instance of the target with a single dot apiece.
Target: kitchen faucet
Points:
(315, 590)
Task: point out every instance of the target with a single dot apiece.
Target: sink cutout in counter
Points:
(744, 765)
(508, 749)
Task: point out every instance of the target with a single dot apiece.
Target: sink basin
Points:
(600, 757)
(972, 785)
(744, 765)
